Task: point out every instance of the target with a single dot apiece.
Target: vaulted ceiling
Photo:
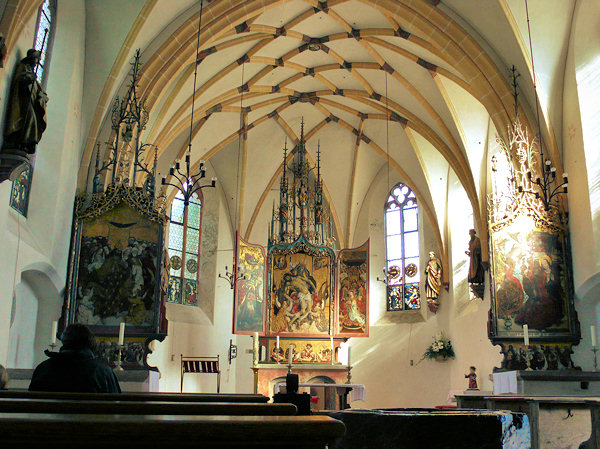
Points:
(421, 84)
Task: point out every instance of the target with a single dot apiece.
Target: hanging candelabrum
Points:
(543, 187)
(231, 276)
(186, 182)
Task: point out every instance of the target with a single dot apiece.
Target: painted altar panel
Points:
(117, 271)
(352, 307)
(301, 290)
(304, 351)
(531, 282)
(249, 289)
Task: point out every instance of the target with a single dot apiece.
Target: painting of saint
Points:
(249, 289)
(353, 291)
(300, 295)
(531, 281)
(117, 269)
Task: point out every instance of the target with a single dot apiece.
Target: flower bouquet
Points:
(440, 349)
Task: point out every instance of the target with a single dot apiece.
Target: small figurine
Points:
(472, 376)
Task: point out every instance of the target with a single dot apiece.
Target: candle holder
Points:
(52, 346)
(289, 368)
(528, 358)
(119, 367)
(349, 378)
(595, 351)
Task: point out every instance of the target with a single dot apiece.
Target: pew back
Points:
(167, 431)
(18, 405)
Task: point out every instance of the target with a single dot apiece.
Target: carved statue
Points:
(433, 282)
(475, 265)
(26, 113)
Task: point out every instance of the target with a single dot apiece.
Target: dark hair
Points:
(78, 336)
(473, 368)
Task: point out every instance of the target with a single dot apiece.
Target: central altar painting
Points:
(301, 279)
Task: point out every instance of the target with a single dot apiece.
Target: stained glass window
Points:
(184, 250)
(402, 249)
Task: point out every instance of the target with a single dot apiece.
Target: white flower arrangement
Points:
(440, 348)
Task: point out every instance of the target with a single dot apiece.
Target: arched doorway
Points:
(36, 304)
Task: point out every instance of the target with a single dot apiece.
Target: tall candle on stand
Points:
(291, 353)
(121, 334)
(526, 334)
(278, 343)
(349, 355)
(255, 348)
(53, 333)
(593, 334)
(332, 350)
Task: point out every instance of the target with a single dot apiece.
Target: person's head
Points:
(431, 255)
(78, 336)
(472, 232)
(3, 377)
(472, 368)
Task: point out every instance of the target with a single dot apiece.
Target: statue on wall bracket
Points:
(433, 282)
(531, 270)
(25, 118)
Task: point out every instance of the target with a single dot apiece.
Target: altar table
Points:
(356, 391)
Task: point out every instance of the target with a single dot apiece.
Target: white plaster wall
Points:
(43, 238)
(24, 320)
(192, 333)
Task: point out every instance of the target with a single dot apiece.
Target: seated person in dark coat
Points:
(75, 368)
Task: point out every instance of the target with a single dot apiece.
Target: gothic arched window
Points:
(44, 34)
(402, 249)
(184, 250)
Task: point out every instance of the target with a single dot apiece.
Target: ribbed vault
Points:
(365, 75)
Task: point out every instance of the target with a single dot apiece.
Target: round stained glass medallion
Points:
(393, 272)
(192, 265)
(411, 270)
(175, 262)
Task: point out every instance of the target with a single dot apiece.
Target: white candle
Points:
(278, 342)
(255, 348)
(332, 350)
(593, 334)
(291, 352)
(53, 333)
(349, 355)
(526, 334)
(121, 334)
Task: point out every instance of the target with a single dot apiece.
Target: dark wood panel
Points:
(162, 397)
(18, 405)
(167, 431)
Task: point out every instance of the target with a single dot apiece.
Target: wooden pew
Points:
(139, 397)
(563, 419)
(167, 431)
(71, 406)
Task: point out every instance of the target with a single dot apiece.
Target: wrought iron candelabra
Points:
(186, 182)
(231, 277)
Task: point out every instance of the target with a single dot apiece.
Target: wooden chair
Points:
(201, 365)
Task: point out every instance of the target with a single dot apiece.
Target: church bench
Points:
(162, 397)
(19, 405)
(554, 420)
(167, 431)
(432, 428)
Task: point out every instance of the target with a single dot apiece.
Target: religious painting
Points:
(353, 292)
(531, 281)
(304, 351)
(117, 270)
(300, 289)
(19, 193)
(249, 289)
